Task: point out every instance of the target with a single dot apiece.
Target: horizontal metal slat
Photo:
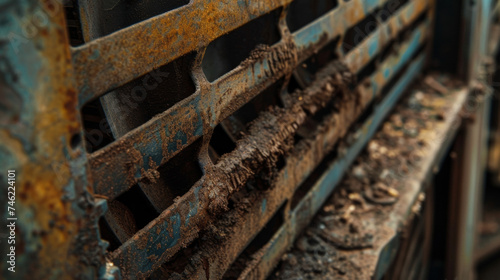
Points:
(111, 61)
(191, 209)
(374, 43)
(324, 29)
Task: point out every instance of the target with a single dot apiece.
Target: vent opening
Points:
(126, 214)
(313, 178)
(389, 9)
(141, 204)
(230, 130)
(262, 238)
(135, 103)
(97, 132)
(304, 73)
(302, 12)
(359, 32)
(176, 177)
(110, 16)
(227, 52)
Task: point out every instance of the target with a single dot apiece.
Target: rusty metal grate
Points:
(251, 96)
(199, 124)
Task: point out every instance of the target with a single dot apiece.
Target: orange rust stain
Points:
(146, 42)
(42, 181)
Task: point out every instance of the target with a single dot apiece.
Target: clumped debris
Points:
(368, 192)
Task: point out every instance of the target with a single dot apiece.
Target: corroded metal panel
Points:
(64, 184)
(56, 233)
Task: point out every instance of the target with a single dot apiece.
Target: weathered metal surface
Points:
(104, 64)
(301, 215)
(476, 18)
(386, 225)
(165, 135)
(40, 132)
(180, 223)
(160, 138)
(111, 61)
(62, 219)
(374, 43)
(299, 165)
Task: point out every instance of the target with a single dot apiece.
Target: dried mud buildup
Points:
(345, 238)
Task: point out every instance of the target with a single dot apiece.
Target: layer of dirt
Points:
(368, 193)
(239, 178)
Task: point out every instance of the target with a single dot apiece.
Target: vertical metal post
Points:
(56, 233)
(468, 189)
(468, 174)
